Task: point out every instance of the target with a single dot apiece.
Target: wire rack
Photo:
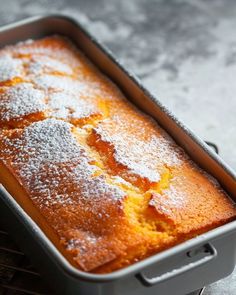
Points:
(17, 275)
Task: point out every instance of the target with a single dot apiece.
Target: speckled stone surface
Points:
(183, 51)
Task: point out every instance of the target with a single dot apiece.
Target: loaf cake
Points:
(103, 181)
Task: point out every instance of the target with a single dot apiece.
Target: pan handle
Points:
(212, 253)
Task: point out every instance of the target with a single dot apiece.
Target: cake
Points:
(107, 185)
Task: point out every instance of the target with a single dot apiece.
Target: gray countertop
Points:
(184, 52)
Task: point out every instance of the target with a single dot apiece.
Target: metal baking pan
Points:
(179, 270)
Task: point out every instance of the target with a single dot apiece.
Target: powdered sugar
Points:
(44, 64)
(169, 198)
(9, 68)
(52, 74)
(59, 48)
(96, 187)
(141, 157)
(60, 83)
(20, 100)
(68, 105)
(119, 180)
(54, 167)
(82, 244)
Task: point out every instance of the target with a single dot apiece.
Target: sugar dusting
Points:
(9, 68)
(60, 48)
(62, 83)
(41, 64)
(169, 198)
(54, 166)
(53, 72)
(19, 100)
(141, 157)
(65, 105)
(78, 86)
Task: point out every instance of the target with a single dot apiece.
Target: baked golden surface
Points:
(106, 184)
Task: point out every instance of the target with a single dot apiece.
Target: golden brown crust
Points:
(104, 181)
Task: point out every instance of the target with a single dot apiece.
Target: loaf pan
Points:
(179, 270)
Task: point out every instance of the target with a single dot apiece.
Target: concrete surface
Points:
(184, 52)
